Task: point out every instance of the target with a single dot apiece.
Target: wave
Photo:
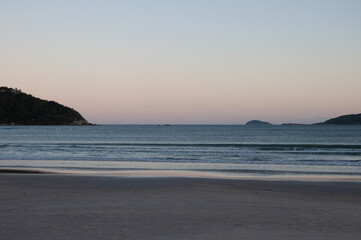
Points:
(264, 172)
(262, 147)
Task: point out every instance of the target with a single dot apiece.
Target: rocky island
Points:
(351, 119)
(18, 108)
(257, 122)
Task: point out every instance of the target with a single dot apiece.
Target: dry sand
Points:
(55, 206)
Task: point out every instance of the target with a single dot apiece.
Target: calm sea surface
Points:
(233, 149)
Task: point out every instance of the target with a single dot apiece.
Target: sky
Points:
(186, 61)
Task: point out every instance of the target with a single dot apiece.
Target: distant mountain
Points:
(18, 108)
(257, 122)
(351, 119)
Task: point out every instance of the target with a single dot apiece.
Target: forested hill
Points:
(18, 108)
(351, 119)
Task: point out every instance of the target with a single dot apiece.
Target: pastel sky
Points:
(186, 61)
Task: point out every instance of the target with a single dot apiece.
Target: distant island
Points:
(351, 119)
(18, 108)
(257, 122)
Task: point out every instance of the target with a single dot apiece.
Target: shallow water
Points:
(233, 149)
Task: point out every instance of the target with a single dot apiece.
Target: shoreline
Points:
(186, 174)
(67, 206)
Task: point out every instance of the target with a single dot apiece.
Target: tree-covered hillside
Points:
(20, 108)
(351, 119)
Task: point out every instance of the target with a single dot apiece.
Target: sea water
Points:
(233, 149)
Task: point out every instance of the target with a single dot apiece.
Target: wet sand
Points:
(59, 206)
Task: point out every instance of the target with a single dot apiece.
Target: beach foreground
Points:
(58, 206)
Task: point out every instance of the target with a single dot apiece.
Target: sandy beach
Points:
(62, 206)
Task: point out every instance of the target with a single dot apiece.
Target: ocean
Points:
(227, 149)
